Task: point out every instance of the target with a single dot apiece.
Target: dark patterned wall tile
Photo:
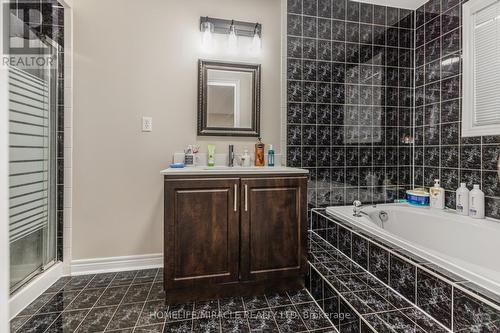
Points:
(379, 262)
(403, 277)
(294, 6)
(471, 316)
(360, 250)
(344, 241)
(434, 297)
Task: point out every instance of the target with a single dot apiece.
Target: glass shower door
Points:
(32, 218)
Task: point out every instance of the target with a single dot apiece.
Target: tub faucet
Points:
(231, 156)
(358, 206)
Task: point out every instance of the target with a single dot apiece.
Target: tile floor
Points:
(134, 302)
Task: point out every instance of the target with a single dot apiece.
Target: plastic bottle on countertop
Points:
(462, 200)
(476, 203)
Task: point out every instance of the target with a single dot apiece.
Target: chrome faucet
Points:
(358, 206)
(231, 156)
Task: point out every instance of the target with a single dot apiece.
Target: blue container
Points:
(417, 198)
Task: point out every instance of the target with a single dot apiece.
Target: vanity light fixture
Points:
(234, 29)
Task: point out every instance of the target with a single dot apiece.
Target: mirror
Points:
(228, 99)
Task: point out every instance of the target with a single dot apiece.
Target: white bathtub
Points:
(467, 247)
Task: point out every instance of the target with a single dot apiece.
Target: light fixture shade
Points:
(206, 39)
(256, 42)
(232, 39)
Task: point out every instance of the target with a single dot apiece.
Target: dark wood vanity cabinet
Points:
(272, 224)
(228, 236)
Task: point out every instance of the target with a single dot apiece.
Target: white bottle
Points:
(476, 203)
(245, 159)
(437, 196)
(463, 200)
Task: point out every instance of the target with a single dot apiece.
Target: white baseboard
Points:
(33, 289)
(116, 264)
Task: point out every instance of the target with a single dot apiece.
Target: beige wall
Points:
(139, 58)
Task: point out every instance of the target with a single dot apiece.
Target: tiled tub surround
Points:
(467, 250)
(350, 99)
(397, 279)
(134, 301)
(440, 152)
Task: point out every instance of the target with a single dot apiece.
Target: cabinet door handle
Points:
(246, 197)
(235, 197)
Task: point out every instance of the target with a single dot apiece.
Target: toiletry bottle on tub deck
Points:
(463, 200)
(436, 195)
(476, 203)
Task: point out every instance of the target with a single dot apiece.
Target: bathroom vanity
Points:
(233, 231)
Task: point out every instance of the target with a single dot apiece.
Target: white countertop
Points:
(223, 170)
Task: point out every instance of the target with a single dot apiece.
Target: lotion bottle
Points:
(476, 203)
(259, 154)
(437, 195)
(463, 200)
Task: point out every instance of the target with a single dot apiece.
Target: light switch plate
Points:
(147, 124)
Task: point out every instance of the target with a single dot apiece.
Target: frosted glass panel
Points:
(31, 213)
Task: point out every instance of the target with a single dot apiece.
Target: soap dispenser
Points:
(437, 195)
(476, 203)
(462, 200)
(245, 159)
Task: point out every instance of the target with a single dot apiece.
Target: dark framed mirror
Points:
(228, 99)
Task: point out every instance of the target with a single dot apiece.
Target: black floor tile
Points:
(135, 302)
(207, 325)
(39, 323)
(235, 325)
(154, 312)
(288, 319)
(278, 299)
(184, 326)
(255, 303)
(97, 319)
(125, 316)
(34, 306)
(233, 304)
(137, 293)
(68, 321)
(262, 321)
(156, 292)
(112, 296)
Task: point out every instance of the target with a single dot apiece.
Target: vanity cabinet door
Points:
(273, 227)
(201, 232)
